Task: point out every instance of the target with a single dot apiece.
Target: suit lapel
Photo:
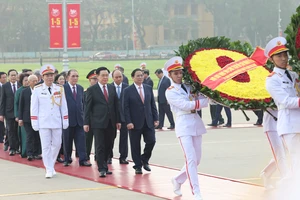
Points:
(69, 91)
(10, 89)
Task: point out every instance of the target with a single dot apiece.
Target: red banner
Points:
(73, 13)
(55, 23)
(235, 68)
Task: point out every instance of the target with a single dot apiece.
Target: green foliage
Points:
(291, 37)
(254, 21)
(218, 42)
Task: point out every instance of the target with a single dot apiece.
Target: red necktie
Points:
(141, 94)
(74, 92)
(105, 93)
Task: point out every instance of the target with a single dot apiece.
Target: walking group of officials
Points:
(54, 114)
(66, 112)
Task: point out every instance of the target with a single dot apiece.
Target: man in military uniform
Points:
(49, 114)
(189, 125)
(89, 136)
(281, 85)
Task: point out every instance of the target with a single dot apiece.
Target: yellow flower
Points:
(204, 63)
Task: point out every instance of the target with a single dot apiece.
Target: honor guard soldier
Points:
(189, 126)
(89, 136)
(279, 160)
(281, 85)
(49, 114)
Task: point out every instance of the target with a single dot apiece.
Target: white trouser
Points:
(279, 161)
(51, 143)
(292, 143)
(191, 146)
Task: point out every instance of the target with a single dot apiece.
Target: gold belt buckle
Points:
(193, 111)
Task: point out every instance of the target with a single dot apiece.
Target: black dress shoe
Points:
(221, 122)
(158, 127)
(38, 157)
(227, 125)
(85, 164)
(214, 125)
(5, 147)
(109, 161)
(123, 161)
(257, 124)
(60, 160)
(138, 170)
(66, 164)
(108, 172)
(102, 174)
(171, 127)
(147, 167)
(29, 158)
(12, 152)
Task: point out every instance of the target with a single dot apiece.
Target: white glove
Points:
(204, 102)
(65, 125)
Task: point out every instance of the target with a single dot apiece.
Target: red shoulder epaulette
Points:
(271, 74)
(171, 87)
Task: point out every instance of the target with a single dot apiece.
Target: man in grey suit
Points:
(163, 106)
(2, 127)
(102, 116)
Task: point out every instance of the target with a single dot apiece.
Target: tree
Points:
(250, 20)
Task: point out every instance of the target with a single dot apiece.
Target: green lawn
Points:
(84, 67)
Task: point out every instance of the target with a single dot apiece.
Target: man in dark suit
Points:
(2, 127)
(147, 79)
(119, 67)
(102, 116)
(163, 106)
(123, 141)
(260, 115)
(75, 132)
(7, 111)
(89, 136)
(141, 118)
(125, 79)
(33, 143)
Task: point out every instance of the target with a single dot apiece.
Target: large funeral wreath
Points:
(204, 56)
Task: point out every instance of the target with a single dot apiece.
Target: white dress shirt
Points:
(138, 90)
(101, 86)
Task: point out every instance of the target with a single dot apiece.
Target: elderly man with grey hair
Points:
(37, 73)
(33, 143)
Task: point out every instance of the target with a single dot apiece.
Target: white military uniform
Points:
(283, 91)
(189, 130)
(49, 114)
(279, 161)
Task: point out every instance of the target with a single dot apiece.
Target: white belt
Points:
(184, 113)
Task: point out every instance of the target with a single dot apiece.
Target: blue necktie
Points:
(118, 91)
